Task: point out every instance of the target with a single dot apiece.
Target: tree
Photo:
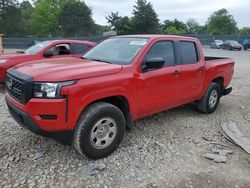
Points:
(174, 27)
(172, 30)
(6, 3)
(44, 19)
(179, 25)
(145, 19)
(122, 25)
(193, 26)
(221, 23)
(77, 22)
(100, 29)
(10, 18)
(26, 12)
(245, 31)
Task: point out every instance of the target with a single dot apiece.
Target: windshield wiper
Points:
(20, 52)
(99, 60)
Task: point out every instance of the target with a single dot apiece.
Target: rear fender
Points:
(209, 80)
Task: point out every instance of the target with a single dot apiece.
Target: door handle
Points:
(176, 73)
(201, 69)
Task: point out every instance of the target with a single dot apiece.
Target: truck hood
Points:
(64, 69)
(13, 56)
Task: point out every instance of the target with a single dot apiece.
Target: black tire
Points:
(204, 104)
(85, 127)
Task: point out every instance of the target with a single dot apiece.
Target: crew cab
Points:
(119, 81)
(44, 50)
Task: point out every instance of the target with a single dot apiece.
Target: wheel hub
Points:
(103, 133)
(213, 99)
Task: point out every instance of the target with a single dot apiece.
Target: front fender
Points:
(105, 93)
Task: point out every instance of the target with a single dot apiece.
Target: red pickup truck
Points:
(44, 50)
(120, 80)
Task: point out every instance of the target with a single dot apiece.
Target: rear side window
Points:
(189, 52)
(78, 48)
(162, 49)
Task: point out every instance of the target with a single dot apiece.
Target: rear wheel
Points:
(211, 99)
(99, 131)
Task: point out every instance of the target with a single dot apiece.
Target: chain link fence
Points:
(22, 43)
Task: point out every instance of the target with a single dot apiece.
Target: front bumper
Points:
(2, 75)
(48, 115)
(22, 118)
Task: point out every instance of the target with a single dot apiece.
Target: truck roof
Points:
(154, 36)
(72, 41)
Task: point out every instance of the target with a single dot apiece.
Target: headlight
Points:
(49, 90)
(2, 61)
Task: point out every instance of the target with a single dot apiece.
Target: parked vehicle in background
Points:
(44, 50)
(216, 44)
(122, 79)
(246, 44)
(231, 45)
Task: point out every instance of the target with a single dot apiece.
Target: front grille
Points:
(15, 88)
(19, 86)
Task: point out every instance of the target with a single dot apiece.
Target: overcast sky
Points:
(170, 9)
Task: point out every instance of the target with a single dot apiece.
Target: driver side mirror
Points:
(153, 63)
(48, 54)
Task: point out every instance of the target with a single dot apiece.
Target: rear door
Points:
(192, 72)
(156, 90)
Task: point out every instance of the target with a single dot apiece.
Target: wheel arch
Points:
(218, 78)
(121, 101)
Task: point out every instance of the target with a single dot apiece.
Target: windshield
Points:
(233, 42)
(37, 47)
(117, 50)
(218, 41)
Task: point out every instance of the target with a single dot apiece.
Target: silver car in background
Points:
(217, 44)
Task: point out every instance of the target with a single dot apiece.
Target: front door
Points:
(156, 90)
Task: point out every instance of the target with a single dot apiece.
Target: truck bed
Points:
(211, 58)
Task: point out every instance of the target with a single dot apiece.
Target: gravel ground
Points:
(165, 150)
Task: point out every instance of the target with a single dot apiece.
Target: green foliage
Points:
(122, 25)
(26, 12)
(71, 18)
(44, 20)
(145, 19)
(75, 19)
(172, 30)
(245, 31)
(178, 25)
(10, 18)
(221, 23)
(100, 29)
(193, 26)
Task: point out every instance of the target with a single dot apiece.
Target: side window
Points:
(60, 49)
(162, 49)
(189, 52)
(78, 48)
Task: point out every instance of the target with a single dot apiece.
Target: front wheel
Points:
(99, 130)
(211, 99)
